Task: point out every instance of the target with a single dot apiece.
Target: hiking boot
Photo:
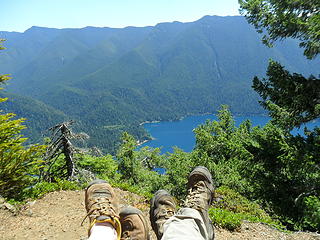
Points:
(102, 205)
(133, 224)
(162, 208)
(200, 195)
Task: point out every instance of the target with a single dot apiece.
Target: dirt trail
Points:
(58, 215)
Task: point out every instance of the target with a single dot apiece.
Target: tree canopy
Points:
(291, 99)
(276, 19)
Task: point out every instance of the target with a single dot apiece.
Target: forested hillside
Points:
(37, 114)
(110, 80)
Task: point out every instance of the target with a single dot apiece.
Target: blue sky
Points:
(19, 15)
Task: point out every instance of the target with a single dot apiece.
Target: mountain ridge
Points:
(124, 76)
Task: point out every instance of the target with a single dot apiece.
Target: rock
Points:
(29, 213)
(31, 203)
(10, 207)
(7, 206)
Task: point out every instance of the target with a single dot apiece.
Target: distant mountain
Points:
(110, 80)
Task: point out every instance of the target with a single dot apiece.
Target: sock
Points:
(103, 231)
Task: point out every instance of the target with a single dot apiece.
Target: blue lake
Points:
(179, 133)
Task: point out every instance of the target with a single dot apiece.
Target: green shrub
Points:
(225, 219)
(266, 164)
(43, 188)
(178, 166)
(220, 146)
(311, 213)
(231, 209)
(136, 166)
(104, 167)
(127, 186)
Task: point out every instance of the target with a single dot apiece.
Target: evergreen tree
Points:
(290, 99)
(298, 19)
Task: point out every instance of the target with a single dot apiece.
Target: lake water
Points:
(180, 134)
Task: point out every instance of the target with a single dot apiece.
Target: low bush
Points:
(311, 214)
(230, 209)
(104, 167)
(43, 188)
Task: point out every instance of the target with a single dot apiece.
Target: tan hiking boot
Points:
(133, 224)
(200, 195)
(163, 206)
(102, 205)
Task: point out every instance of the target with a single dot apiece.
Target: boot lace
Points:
(101, 206)
(197, 196)
(165, 213)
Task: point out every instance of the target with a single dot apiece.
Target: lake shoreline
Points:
(167, 134)
(139, 143)
(140, 124)
(202, 114)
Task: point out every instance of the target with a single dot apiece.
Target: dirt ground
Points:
(58, 215)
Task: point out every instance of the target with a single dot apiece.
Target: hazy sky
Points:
(19, 15)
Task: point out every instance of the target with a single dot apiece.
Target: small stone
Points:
(29, 213)
(31, 203)
(10, 207)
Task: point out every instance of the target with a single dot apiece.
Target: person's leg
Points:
(200, 196)
(105, 220)
(162, 207)
(191, 222)
(103, 211)
(186, 224)
(102, 231)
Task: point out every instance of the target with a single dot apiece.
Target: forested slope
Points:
(110, 80)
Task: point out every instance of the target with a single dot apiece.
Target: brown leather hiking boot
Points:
(163, 206)
(134, 225)
(200, 195)
(102, 205)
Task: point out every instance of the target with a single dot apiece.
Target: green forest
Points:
(111, 80)
(262, 174)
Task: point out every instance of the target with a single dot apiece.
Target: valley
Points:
(102, 77)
